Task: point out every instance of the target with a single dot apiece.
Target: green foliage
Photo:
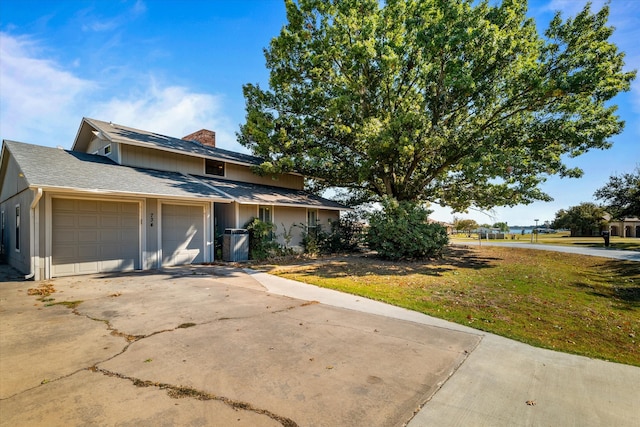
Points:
(458, 102)
(461, 224)
(502, 226)
(261, 243)
(401, 231)
(345, 235)
(622, 195)
(586, 219)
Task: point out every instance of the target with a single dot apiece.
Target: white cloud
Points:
(43, 103)
(39, 97)
(101, 24)
(172, 110)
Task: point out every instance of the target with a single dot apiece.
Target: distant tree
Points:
(586, 219)
(502, 226)
(467, 225)
(622, 195)
(456, 102)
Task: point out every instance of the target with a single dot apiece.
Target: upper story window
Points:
(107, 150)
(214, 167)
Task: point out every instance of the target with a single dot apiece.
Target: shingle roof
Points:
(247, 193)
(55, 168)
(127, 135)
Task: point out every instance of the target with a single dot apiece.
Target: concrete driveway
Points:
(217, 346)
(210, 346)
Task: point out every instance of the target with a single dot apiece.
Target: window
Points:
(18, 228)
(107, 149)
(214, 167)
(2, 234)
(264, 214)
(312, 222)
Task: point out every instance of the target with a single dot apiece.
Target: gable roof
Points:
(62, 170)
(257, 194)
(126, 135)
(57, 169)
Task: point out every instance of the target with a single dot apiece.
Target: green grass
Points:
(563, 239)
(571, 303)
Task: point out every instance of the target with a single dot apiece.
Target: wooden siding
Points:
(244, 174)
(96, 145)
(12, 182)
(161, 160)
(18, 259)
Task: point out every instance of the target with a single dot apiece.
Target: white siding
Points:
(290, 219)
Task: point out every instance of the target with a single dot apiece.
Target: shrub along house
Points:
(126, 199)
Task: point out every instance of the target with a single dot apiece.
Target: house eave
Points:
(125, 194)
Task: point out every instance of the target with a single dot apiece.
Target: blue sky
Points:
(174, 67)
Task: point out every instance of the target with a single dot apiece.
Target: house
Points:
(126, 199)
(627, 227)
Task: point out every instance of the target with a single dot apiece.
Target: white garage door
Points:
(93, 236)
(182, 234)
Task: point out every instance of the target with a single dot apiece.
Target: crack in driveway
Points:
(180, 392)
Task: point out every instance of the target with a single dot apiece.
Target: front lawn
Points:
(562, 239)
(571, 303)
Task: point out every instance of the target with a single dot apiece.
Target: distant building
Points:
(627, 227)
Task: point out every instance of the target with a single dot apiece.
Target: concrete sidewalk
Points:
(504, 382)
(599, 252)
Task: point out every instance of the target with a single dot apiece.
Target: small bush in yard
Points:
(261, 243)
(345, 235)
(401, 231)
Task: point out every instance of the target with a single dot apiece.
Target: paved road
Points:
(601, 252)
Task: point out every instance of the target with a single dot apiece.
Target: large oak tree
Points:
(456, 102)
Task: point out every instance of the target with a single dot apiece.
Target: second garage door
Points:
(182, 234)
(94, 236)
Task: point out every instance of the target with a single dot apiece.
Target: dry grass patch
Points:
(571, 303)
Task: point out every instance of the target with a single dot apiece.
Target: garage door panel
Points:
(62, 236)
(66, 252)
(128, 222)
(88, 252)
(65, 205)
(182, 234)
(87, 267)
(86, 236)
(66, 220)
(87, 205)
(93, 236)
(109, 208)
(88, 221)
(111, 221)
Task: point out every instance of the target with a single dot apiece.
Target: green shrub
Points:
(261, 243)
(401, 231)
(344, 235)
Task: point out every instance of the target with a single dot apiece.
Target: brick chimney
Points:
(203, 136)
